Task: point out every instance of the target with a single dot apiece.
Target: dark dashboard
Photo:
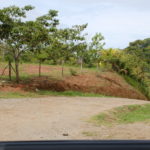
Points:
(76, 145)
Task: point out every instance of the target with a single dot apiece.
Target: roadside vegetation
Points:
(26, 44)
(41, 93)
(123, 115)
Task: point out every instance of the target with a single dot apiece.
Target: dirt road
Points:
(57, 118)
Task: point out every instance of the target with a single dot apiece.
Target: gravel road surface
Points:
(60, 118)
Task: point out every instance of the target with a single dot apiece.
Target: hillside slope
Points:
(107, 83)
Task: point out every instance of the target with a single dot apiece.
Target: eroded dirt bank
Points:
(105, 83)
(108, 83)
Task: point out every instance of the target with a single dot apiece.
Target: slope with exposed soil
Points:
(107, 83)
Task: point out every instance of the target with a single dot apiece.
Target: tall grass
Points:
(143, 88)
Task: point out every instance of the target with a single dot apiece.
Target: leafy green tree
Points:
(41, 40)
(81, 51)
(140, 48)
(97, 42)
(24, 36)
(124, 63)
(67, 43)
(61, 45)
(12, 30)
(95, 47)
(79, 47)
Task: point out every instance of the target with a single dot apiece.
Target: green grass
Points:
(69, 93)
(46, 93)
(138, 85)
(17, 95)
(54, 71)
(87, 133)
(123, 115)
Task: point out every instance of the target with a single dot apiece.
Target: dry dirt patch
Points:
(109, 84)
(51, 118)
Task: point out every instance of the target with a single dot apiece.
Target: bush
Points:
(73, 72)
(141, 86)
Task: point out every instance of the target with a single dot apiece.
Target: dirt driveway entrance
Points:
(57, 118)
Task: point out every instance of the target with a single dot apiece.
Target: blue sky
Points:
(119, 21)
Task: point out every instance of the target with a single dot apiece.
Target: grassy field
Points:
(28, 71)
(46, 93)
(123, 115)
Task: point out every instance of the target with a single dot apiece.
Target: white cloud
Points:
(120, 21)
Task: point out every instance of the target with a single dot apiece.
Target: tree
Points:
(67, 43)
(7, 57)
(43, 37)
(81, 49)
(95, 46)
(123, 63)
(140, 48)
(24, 36)
(61, 45)
(12, 30)
(2, 51)
(79, 43)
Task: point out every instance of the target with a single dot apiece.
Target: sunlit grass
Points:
(53, 71)
(138, 85)
(47, 93)
(17, 94)
(123, 115)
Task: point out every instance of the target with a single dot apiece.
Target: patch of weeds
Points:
(73, 72)
(43, 93)
(88, 133)
(123, 115)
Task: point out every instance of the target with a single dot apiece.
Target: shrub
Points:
(73, 72)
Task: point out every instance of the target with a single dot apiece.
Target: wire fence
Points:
(33, 70)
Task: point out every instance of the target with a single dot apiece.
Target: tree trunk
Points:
(17, 70)
(4, 70)
(3, 55)
(9, 64)
(62, 68)
(97, 65)
(39, 68)
(81, 64)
